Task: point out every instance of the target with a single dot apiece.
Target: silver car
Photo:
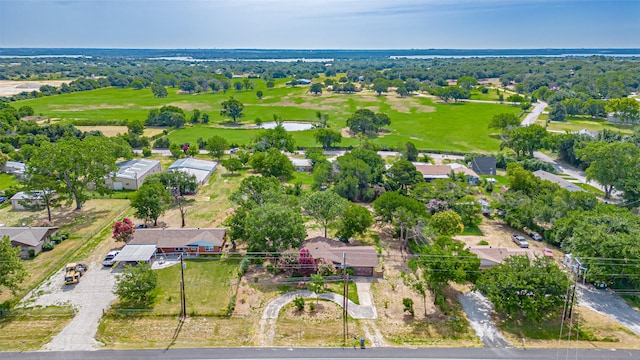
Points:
(109, 259)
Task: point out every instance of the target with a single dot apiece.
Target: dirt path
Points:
(89, 298)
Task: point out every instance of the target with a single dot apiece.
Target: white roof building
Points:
(131, 173)
(202, 169)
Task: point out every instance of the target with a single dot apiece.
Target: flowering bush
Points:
(122, 230)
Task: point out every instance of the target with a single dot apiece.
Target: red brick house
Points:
(192, 241)
(362, 259)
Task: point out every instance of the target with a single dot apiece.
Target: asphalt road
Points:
(332, 353)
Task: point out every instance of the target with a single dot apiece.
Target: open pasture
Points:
(427, 123)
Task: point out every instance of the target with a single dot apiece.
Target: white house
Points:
(25, 199)
(131, 174)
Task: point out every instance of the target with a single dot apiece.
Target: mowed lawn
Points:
(207, 286)
(427, 123)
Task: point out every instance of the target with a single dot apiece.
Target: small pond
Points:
(288, 125)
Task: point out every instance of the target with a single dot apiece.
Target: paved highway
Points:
(332, 353)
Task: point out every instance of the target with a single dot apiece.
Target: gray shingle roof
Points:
(31, 236)
(172, 238)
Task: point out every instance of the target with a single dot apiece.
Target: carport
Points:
(136, 253)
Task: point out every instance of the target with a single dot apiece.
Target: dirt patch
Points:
(105, 130)
(191, 106)
(149, 132)
(11, 87)
(77, 108)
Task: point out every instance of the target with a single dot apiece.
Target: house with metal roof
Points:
(131, 174)
(202, 169)
(28, 238)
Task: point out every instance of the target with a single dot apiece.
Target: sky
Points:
(320, 24)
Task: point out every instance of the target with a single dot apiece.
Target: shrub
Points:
(408, 305)
(146, 152)
(312, 306)
(299, 303)
(243, 267)
(32, 253)
(48, 246)
(483, 242)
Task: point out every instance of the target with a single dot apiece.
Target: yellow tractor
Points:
(73, 272)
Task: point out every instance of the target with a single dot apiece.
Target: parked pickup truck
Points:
(520, 240)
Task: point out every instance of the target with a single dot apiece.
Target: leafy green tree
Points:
(238, 86)
(195, 116)
(77, 163)
(233, 109)
(390, 201)
(416, 280)
(610, 163)
(189, 85)
(447, 223)
(159, 90)
(167, 115)
(272, 163)
(135, 127)
(259, 94)
(193, 150)
(25, 110)
(325, 207)
(151, 201)
(47, 184)
(504, 121)
(274, 228)
(216, 145)
(380, 87)
(355, 221)
(410, 152)
(327, 137)
(316, 89)
(447, 93)
(12, 272)
(467, 82)
(402, 175)
(270, 84)
(178, 183)
(233, 164)
(525, 140)
(469, 210)
(626, 109)
(558, 112)
(136, 285)
(402, 91)
(176, 150)
(524, 289)
(443, 261)
(276, 138)
(256, 191)
(316, 285)
(365, 121)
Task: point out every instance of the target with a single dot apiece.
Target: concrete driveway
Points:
(478, 309)
(609, 304)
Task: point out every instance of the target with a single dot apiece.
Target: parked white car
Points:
(109, 259)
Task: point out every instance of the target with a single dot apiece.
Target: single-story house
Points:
(131, 174)
(28, 238)
(192, 241)
(302, 164)
(362, 259)
(432, 172)
(14, 168)
(491, 256)
(543, 175)
(23, 200)
(202, 169)
(484, 165)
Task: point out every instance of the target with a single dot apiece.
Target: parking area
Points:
(89, 298)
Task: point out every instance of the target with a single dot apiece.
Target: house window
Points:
(180, 249)
(209, 248)
(193, 248)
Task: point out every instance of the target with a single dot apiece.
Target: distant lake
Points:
(189, 58)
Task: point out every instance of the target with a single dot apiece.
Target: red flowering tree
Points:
(122, 230)
(306, 264)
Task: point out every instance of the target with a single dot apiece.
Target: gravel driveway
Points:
(89, 298)
(609, 304)
(478, 309)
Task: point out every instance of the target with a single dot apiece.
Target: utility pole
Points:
(344, 300)
(183, 297)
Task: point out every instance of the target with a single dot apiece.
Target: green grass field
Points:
(207, 284)
(579, 123)
(428, 124)
(6, 181)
